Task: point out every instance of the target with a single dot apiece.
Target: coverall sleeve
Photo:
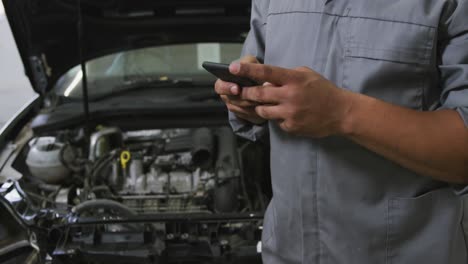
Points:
(453, 64)
(453, 59)
(254, 45)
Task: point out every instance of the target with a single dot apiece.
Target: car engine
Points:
(148, 195)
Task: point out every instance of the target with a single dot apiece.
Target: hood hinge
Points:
(39, 72)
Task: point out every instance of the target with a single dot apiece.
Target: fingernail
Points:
(234, 67)
(234, 90)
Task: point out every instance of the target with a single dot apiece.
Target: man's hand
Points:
(305, 103)
(301, 100)
(230, 92)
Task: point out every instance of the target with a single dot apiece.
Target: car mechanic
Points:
(366, 107)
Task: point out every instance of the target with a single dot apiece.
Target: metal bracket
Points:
(39, 73)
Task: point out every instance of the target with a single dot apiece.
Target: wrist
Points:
(347, 111)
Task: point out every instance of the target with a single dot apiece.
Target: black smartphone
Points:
(221, 71)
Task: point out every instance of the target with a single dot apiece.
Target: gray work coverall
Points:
(333, 200)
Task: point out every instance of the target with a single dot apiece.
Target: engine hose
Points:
(71, 167)
(202, 147)
(108, 204)
(49, 187)
(103, 188)
(242, 177)
(103, 204)
(101, 163)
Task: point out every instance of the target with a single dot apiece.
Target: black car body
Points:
(126, 154)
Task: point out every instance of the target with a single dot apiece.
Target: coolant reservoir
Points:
(44, 161)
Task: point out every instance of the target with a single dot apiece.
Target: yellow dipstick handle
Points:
(125, 157)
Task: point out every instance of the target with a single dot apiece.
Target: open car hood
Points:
(47, 31)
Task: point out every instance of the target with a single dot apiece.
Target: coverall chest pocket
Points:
(388, 60)
(292, 31)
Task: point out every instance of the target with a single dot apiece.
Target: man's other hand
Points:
(230, 94)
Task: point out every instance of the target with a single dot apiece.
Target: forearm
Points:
(430, 143)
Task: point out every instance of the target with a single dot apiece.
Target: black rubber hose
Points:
(227, 159)
(100, 164)
(71, 167)
(227, 173)
(109, 205)
(243, 180)
(202, 147)
(103, 204)
(103, 189)
(49, 187)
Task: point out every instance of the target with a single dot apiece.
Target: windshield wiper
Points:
(135, 84)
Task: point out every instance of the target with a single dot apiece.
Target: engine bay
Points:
(175, 195)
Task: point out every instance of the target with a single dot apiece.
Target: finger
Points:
(270, 112)
(284, 125)
(263, 73)
(263, 94)
(240, 110)
(236, 101)
(304, 69)
(226, 88)
(287, 126)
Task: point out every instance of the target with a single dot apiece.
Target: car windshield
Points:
(164, 65)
